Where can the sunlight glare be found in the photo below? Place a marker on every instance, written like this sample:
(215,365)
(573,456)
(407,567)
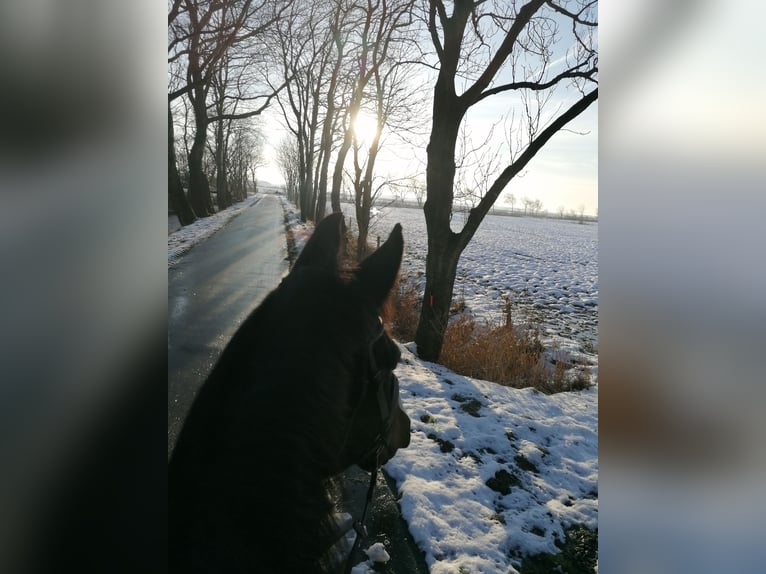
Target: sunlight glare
(365,128)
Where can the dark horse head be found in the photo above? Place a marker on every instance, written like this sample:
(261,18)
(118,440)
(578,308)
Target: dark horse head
(304,389)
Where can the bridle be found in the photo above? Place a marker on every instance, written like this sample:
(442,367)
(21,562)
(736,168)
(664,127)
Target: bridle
(385,385)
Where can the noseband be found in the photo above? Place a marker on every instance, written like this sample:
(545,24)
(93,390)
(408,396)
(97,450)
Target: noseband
(385,385)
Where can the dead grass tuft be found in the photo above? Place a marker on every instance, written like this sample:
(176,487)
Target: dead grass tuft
(508,355)
(404,310)
(351,248)
(493,352)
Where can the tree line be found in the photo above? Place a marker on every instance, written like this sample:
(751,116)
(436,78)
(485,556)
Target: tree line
(409,68)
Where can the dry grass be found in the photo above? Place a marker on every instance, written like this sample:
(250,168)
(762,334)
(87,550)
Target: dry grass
(351,247)
(496,353)
(403,310)
(508,355)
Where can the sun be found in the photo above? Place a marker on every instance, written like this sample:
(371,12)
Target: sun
(365,128)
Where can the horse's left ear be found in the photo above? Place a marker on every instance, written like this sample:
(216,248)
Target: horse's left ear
(377,273)
(321,250)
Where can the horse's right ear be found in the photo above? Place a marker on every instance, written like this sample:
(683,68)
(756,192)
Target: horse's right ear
(322,249)
(376,274)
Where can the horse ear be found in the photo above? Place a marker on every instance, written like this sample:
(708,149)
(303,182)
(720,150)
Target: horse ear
(377,273)
(321,250)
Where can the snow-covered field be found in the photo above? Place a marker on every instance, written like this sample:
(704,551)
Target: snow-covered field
(547,267)
(494,475)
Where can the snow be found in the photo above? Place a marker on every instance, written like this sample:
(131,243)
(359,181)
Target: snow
(377,553)
(494,474)
(183,239)
(541,451)
(547,268)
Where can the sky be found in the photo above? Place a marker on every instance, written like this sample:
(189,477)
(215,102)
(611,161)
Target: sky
(563,174)
(492,473)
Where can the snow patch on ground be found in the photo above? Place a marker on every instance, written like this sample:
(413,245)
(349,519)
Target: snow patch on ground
(492,473)
(183,239)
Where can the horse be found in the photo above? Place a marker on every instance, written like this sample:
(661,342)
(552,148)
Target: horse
(304,390)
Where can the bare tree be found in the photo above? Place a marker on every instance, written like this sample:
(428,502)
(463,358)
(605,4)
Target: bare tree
(176,197)
(485,48)
(220,86)
(394,110)
(419,190)
(235,86)
(511,199)
(177,200)
(245,155)
(383,26)
(303,45)
(527,202)
(289,165)
(339,29)
(201,34)
(342,57)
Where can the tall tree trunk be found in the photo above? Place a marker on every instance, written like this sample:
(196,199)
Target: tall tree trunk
(444,247)
(441,268)
(363,202)
(311,200)
(199,189)
(322,194)
(364,197)
(326,140)
(318,212)
(307,192)
(337,174)
(221,183)
(176,198)
(304,178)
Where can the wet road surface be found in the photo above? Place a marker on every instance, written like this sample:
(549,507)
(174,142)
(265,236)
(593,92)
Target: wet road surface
(212,289)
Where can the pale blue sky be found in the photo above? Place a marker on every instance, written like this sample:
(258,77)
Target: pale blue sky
(563,174)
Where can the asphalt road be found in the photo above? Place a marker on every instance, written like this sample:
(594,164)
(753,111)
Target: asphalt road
(211,290)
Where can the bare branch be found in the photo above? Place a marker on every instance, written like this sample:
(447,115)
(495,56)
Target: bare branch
(522,19)
(478,213)
(251,113)
(434,7)
(573,16)
(536,86)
